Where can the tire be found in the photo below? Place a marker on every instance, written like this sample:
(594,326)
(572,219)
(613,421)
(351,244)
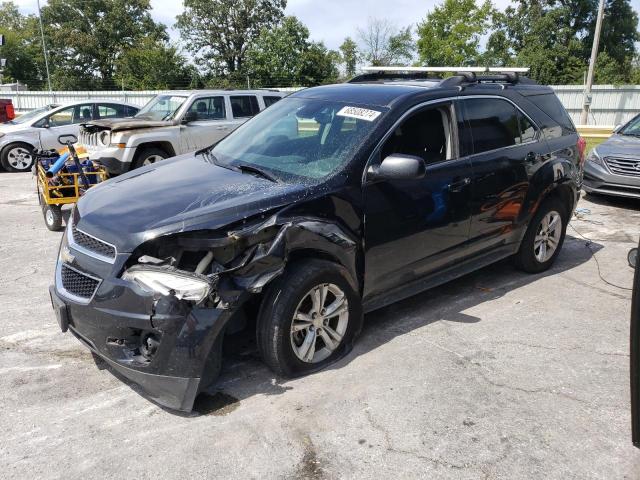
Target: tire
(290,294)
(531,256)
(17,157)
(52,217)
(148,156)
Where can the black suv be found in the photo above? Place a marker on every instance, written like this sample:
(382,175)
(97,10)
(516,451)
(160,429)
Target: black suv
(330,203)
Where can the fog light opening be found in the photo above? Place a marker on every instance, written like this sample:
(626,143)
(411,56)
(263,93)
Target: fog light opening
(149,343)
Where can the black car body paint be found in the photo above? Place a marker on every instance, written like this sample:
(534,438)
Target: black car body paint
(394,238)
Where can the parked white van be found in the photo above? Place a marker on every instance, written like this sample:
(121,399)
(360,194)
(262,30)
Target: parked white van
(171,124)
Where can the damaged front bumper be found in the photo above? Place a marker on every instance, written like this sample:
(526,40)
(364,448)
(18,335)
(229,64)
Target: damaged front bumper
(169,347)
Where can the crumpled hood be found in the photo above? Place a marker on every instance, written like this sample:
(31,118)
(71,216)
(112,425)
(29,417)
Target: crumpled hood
(119,124)
(181,194)
(620,145)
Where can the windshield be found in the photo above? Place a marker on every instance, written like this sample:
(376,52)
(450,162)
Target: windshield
(32,115)
(161,107)
(298,138)
(632,128)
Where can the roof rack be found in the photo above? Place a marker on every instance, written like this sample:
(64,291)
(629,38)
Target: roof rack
(462,75)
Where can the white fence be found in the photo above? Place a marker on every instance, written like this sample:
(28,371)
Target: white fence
(611,105)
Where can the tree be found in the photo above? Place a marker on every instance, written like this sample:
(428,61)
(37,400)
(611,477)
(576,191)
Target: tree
(218,33)
(349,50)
(451,33)
(153,64)
(86,38)
(383,44)
(285,56)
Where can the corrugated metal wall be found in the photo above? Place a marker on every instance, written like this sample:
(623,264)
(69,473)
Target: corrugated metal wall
(611,105)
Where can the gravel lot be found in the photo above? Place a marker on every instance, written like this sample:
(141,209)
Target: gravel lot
(497,375)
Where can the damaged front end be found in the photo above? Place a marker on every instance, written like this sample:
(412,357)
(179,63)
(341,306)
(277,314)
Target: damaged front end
(160,317)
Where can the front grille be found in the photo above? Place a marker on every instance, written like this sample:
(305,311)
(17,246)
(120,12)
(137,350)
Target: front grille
(628,167)
(77,283)
(92,244)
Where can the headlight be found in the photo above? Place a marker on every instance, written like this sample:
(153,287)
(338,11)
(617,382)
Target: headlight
(183,286)
(595,158)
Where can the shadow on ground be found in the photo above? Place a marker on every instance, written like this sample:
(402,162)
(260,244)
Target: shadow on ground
(245,375)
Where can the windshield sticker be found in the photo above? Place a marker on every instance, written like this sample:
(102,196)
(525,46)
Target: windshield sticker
(360,113)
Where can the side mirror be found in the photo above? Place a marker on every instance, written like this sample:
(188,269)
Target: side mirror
(398,167)
(67,138)
(190,117)
(632,257)
(617,128)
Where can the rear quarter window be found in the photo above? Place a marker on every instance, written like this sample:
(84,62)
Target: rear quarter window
(550,104)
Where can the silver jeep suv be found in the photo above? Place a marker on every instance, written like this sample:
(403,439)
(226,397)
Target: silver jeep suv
(171,124)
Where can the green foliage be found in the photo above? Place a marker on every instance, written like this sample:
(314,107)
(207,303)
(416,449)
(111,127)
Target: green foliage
(218,33)
(350,53)
(383,44)
(285,56)
(87,37)
(153,64)
(451,33)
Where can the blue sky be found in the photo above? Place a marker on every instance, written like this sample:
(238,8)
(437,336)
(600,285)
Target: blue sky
(328,20)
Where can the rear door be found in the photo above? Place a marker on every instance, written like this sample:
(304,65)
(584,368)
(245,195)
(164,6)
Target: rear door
(414,227)
(243,107)
(503,147)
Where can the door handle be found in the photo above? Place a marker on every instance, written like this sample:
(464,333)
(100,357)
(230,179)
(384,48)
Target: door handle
(459,185)
(222,128)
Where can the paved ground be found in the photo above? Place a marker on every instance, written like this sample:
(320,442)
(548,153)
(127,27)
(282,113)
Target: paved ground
(497,375)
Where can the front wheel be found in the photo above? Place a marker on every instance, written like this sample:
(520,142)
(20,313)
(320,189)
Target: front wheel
(17,157)
(544,238)
(149,156)
(308,318)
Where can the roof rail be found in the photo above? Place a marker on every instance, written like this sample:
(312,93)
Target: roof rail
(462,75)
(448,69)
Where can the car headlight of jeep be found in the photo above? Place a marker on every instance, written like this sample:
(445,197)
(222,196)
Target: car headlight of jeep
(595,158)
(104,137)
(182,285)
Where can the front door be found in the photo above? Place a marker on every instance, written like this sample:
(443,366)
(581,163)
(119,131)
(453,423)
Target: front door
(413,227)
(211,124)
(64,122)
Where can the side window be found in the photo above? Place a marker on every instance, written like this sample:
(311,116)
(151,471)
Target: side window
(244,106)
(527,129)
(209,108)
(492,123)
(426,134)
(62,118)
(110,110)
(268,101)
(131,111)
(83,113)
(550,105)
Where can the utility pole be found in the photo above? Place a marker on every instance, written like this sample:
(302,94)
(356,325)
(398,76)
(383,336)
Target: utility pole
(44,48)
(584,117)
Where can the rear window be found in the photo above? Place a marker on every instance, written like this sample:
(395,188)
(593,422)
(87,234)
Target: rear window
(244,106)
(550,105)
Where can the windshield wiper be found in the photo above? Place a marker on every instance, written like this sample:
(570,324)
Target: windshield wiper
(256,170)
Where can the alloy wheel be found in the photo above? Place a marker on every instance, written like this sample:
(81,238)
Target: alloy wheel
(319,323)
(151,159)
(19,158)
(548,236)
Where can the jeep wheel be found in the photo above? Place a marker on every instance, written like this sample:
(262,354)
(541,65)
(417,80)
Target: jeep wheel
(544,238)
(148,156)
(17,157)
(308,318)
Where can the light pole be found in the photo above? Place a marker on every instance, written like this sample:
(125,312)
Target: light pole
(584,117)
(44,48)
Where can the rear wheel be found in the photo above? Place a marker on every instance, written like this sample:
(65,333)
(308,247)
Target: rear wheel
(17,157)
(148,156)
(308,318)
(544,238)
(52,216)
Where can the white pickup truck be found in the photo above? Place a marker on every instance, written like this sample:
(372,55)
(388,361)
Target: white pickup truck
(171,124)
